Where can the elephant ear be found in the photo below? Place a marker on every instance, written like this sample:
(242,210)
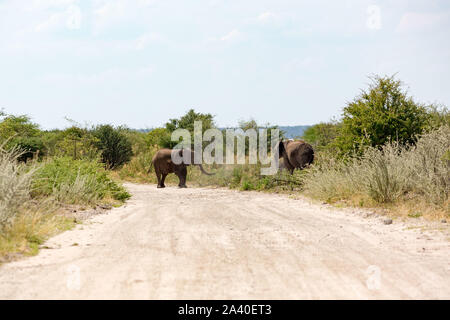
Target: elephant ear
(281,149)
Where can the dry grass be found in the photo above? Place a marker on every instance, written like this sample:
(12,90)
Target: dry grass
(415,178)
(34,224)
(15,181)
(32,194)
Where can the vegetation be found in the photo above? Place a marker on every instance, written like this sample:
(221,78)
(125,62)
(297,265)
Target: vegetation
(379,115)
(322,135)
(115,147)
(75,182)
(388,174)
(41,172)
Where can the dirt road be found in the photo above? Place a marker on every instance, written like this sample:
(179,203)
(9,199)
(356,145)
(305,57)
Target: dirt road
(221,244)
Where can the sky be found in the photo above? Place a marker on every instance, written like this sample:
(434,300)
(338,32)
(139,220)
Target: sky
(286,62)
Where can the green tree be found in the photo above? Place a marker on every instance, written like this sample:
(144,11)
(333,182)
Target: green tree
(321,136)
(382,113)
(159,137)
(115,147)
(252,124)
(20,132)
(187,122)
(20,126)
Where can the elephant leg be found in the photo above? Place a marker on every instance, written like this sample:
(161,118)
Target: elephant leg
(158,176)
(182,173)
(163,178)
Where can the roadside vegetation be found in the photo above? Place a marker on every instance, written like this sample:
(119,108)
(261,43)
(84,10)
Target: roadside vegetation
(43,173)
(386,150)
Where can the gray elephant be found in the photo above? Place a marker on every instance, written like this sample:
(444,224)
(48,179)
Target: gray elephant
(295,155)
(163,164)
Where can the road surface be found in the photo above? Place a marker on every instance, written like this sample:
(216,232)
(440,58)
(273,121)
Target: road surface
(203,243)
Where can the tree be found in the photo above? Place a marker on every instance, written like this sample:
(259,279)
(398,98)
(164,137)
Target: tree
(19,132)
(380,114)
(187,122)
(321,136)
(115,147)
(20,126)
(252,124)
(160,137)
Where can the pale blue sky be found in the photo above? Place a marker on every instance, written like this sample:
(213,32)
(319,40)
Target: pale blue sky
(141,62)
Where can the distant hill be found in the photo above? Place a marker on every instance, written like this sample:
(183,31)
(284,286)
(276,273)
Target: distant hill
(290,132)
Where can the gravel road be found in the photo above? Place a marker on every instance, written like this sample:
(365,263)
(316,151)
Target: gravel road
(203,243)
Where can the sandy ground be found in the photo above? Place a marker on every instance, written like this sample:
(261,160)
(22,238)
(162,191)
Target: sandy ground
(222,244)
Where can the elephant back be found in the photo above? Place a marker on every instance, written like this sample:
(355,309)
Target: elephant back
(301,154)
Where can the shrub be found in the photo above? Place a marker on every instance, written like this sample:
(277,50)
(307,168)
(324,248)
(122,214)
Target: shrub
(75,182)
(137,170)
(160,137)
(15,181)
(428,164)
(75,142)
(187,122)
(321,136)
(30,147)
(19,133)
(381,114)
(115,147)
(387,174)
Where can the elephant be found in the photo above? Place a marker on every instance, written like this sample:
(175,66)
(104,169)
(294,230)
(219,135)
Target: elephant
(295,155)
(163,164)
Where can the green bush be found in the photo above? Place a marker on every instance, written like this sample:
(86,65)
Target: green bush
(321,136)
(115,147)
(381,114)
(19,133)
(160,137)
(30,147)
(75,182)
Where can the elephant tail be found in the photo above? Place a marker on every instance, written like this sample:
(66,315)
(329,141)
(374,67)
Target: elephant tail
(204,172)
(150,168)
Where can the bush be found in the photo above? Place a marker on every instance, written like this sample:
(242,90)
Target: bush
(115,147)
(137,170)
(160,137)
(321,136)
(379,115)
(15,181)
(75,182)
(75,142)
(19,133)
(30,147)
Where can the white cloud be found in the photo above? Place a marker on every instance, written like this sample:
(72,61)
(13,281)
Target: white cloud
(44,4)
(373,20)
(143,41)
(308,63)
(413,21)
(110,12)
(71,18)
(53,21)
(266,16)
(74,17)
(232,35)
